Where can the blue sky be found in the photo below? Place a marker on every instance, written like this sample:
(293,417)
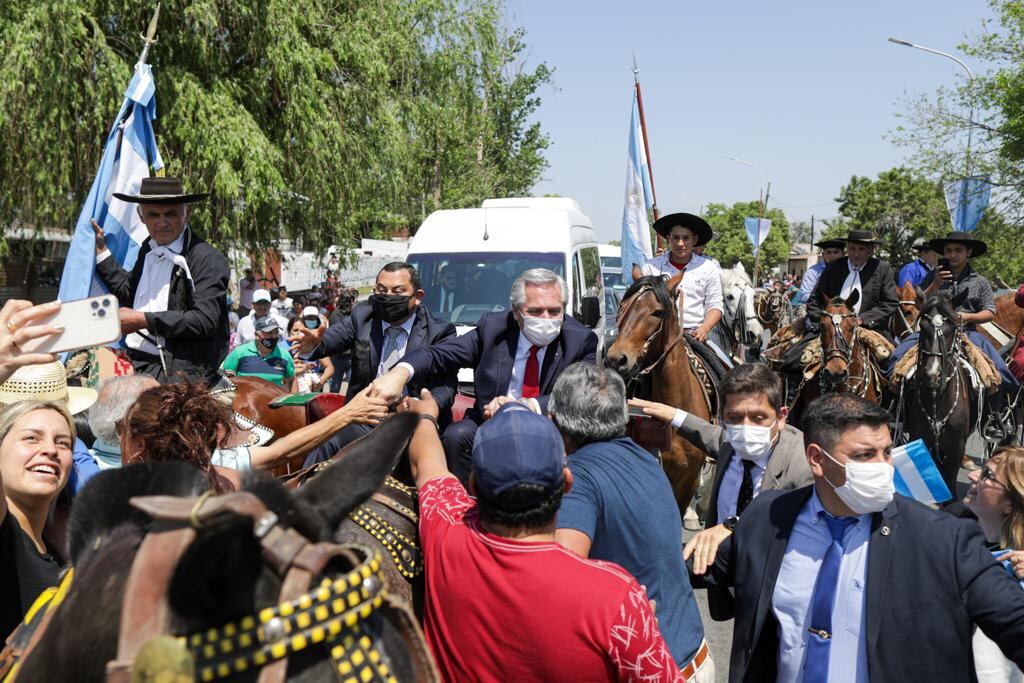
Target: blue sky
(805,89)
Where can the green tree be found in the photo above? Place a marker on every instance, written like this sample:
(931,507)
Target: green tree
(899,207)
(317,120)
(731,243)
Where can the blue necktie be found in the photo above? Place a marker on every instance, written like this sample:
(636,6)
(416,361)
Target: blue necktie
(816,659)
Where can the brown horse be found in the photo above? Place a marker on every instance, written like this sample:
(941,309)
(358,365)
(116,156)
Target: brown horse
(904,320)
(651,354)
(772,309)
(1009,317)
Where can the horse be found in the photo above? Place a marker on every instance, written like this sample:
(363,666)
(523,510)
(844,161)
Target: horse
(904,319)
(740,319)
(773,309)
(168,580)
(937,399)
(652,352)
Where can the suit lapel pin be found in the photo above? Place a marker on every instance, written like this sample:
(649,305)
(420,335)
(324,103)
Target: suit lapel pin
(885,530)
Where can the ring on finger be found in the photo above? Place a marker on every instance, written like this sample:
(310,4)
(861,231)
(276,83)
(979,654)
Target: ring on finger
(12,327)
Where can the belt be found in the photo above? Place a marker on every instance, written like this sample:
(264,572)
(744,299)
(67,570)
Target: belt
(691,669)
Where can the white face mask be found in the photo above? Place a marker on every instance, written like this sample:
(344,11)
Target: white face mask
(749,441)
(541,331)
(868,486)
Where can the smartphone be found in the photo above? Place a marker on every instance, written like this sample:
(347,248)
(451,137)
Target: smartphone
(87,323)
(944,264)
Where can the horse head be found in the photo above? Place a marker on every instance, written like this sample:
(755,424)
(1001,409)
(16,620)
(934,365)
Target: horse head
(839,326)
(938,340)
(648,310)
(230,574)
(739,295)
(904,320)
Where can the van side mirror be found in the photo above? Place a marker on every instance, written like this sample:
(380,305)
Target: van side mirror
(590,311)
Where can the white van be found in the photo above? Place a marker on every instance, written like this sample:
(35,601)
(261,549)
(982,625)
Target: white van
(486,249)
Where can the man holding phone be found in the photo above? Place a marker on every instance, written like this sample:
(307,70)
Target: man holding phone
(174,309)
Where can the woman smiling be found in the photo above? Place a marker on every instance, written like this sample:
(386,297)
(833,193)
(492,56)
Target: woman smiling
(36,439)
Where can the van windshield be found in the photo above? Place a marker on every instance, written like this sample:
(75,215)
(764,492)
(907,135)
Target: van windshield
(461,287)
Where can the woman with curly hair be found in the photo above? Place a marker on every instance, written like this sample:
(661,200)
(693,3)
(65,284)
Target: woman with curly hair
(996,497)
(184,422)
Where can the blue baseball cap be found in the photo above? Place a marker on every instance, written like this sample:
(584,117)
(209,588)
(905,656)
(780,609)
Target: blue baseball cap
(517,446)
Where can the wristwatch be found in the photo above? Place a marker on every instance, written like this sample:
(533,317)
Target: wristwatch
(730,522)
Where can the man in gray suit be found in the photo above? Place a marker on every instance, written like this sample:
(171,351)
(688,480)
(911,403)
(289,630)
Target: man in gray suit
(770,456)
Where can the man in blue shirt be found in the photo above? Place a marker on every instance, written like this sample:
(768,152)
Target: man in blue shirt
(621,507)
(830,251)
(916,271)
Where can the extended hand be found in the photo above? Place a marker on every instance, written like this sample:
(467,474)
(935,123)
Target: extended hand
(366,409)
(305,340)
(704,546)
(1016,558)
(424,405)
(101,243)
(132,320)
(18,324)
(491,408)
(390,386)
(659,411)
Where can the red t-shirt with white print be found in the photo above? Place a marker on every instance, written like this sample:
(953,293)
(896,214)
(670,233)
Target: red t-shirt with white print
(504,610)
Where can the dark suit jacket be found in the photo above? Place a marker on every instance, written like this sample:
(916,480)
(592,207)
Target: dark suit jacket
(195,324)
(879,298)
(787,468)
(490,350)
(360,335)
(929,577)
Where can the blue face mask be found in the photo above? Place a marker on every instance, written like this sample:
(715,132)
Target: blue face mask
(311,323)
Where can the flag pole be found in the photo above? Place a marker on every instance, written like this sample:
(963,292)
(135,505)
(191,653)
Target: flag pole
(149,39)
(760,214)
(647,147)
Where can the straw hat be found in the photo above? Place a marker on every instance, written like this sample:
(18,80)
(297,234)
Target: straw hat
(45,382)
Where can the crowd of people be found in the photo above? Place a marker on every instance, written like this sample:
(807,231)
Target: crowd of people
(552,542)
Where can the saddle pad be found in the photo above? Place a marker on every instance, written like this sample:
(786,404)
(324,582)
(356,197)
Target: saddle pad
(1001,336)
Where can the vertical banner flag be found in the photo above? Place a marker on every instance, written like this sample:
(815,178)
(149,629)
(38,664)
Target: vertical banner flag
(757,237)
(967,200)
(129,156)
(916,475)
(636,233)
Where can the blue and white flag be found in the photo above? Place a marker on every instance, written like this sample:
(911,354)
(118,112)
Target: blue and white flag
(129,156)
(916,475)
(967,200)
(757,237)
(636,232)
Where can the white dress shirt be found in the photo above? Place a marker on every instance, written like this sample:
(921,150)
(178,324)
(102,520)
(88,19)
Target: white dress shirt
(403,341)
(791,602)
(701,286)
(154,286)
(515,385)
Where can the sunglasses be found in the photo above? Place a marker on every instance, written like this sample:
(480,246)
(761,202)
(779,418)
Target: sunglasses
(988,475)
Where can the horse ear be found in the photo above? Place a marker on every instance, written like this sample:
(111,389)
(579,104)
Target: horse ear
(674,281)
(920,296)
(959,299)
(852,300)
(359,469)
(637,273)
(823,299)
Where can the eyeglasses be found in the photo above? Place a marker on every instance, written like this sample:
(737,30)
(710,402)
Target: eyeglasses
(988,475)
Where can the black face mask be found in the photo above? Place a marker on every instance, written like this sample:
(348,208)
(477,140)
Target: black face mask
(390,308)
(268,343)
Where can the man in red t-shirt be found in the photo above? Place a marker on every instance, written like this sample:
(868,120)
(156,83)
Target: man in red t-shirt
(504,601)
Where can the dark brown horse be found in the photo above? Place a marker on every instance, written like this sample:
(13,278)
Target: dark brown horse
(773,309)
(652,356)
(235,601)
(937,399)
(904,319)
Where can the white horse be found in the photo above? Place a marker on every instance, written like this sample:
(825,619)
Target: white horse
(740,307)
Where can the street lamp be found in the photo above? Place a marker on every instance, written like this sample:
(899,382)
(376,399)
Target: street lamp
(970,86)
(761,200)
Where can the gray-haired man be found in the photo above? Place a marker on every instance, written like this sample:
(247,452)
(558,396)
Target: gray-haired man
(515,356)
(117,395)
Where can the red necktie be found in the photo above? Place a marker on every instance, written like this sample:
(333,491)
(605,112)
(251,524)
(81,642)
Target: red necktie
(531,378)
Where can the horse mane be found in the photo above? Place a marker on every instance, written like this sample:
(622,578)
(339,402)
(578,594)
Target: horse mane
(941,301)
(738,272)
(658,287)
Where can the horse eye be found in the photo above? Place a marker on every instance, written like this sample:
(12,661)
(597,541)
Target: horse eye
(658,314)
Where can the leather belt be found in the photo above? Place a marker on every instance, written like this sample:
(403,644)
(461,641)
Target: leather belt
(691,669)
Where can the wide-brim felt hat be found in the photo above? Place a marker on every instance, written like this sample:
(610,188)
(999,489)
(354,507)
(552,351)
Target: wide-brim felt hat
(45,382)
(663,226)
(977,247)
(162,191)
(865,236)
(831,244)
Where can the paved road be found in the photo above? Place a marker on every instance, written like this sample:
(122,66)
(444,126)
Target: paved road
(719,633)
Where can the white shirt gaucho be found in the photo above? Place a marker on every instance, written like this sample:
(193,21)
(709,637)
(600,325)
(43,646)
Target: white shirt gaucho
(701,287)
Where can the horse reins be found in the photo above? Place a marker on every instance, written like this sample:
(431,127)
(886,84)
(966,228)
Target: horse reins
(844,351)
(952,353)
(634,376)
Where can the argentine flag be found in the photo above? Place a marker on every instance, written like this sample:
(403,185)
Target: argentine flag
(129,156)
(636,233)
(916,475)
(757,230)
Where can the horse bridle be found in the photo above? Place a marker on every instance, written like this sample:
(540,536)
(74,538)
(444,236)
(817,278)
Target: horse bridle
(952,354)
(635,375)
(773,303)
(842,350)
(903,316)
(741,327)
